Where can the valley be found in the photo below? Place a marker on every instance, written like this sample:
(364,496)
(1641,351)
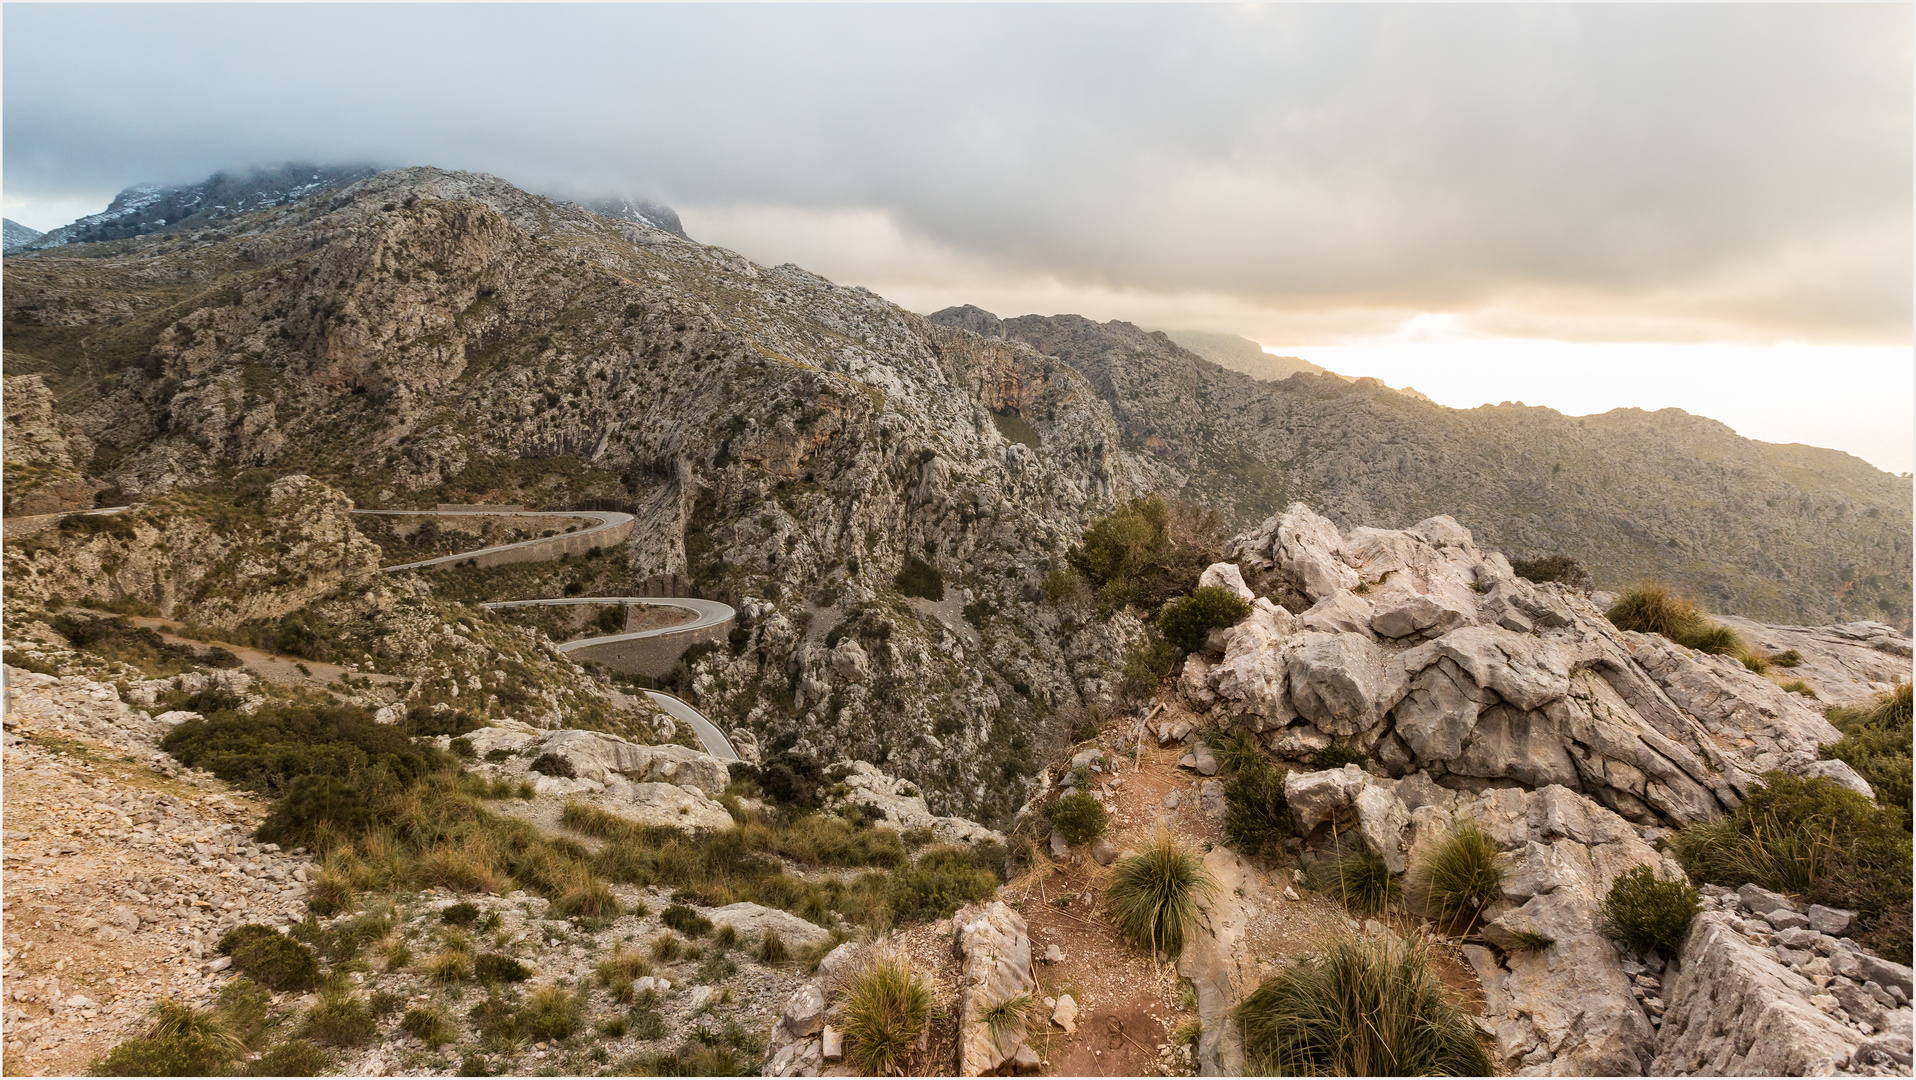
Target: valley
(528,641)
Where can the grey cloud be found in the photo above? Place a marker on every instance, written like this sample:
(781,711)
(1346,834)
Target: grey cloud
(1743,164)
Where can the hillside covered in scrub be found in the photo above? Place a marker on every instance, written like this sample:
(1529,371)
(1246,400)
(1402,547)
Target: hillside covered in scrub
(1781,533)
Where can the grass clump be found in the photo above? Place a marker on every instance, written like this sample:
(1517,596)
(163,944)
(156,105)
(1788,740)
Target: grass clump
(551,1012)
(1462,875)
(1154,894)
(1655,609)
(1002,1017)
(1363,1007)
(491,968)
(461,914)
(1079,817)
(772,948)
(430,1025)
(617,972)
(1646,914)
(1362,879)
(181,1041)
(270,958)
(1814,838)
(1532,941)
(1187,621)
(1876,743)
(887,1006)
(686,921)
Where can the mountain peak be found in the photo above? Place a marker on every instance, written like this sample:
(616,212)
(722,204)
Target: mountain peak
(145,208)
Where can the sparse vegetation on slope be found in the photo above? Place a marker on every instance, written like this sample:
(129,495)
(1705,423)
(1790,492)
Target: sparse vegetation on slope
(1877,743)
(1814,838)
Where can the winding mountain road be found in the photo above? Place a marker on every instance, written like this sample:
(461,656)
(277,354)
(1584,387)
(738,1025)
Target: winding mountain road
(706,613)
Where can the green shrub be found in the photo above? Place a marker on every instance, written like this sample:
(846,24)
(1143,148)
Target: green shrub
(295,1057)
(1815,838)
(552,1013)
(920,578)
(551,764)
(943,879)
(1146,551)
(1187,621)
(887,1007)
(1363,879)
(270,958)
(1079,816)
(1462,874)
(429,1025)
(685,921)
(499,968)
(1257,818)
(1646,914)
(1147,663)
(1876,742)
(315,806)
(1370,1007)
(1153,896)
(181,1041)
(340,1020)
(1557,567)
(460,914)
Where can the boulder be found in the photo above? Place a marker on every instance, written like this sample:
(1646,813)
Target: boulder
(994,967)
(1763,901)
(1065,1014)
(597,756)
(1842,773)
(1228,576)
(1829,920)
(1317,797)
(1417,616)
(1215,962)
(1738,1011)
(753,920)
(1336,682)
(667,805)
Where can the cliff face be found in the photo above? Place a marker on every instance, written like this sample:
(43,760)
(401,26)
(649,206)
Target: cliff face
(1776,532)
(425,336)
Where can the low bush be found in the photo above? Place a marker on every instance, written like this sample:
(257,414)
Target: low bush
(460,914)
(1147,551)
(1153,896)
(943,879)
(685,921)
(887,1007)
(1079,817)
(428,1024)
(1257,818)
(921,579)
(499,968)
(551,764)
(1147,663)
(1363,1007)
(270,958)
(295,1057)
(1461,875)
(1187,621)
(1646,914)
(1876,742)
(180,1041)
(1559,567)
(340,1019)
(1815,838)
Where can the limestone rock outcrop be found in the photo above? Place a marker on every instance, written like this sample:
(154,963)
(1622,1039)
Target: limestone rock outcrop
(900,805)
(994,952)
(1429,654)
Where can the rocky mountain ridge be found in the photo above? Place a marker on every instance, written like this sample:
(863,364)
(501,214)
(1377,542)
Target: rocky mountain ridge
(1773,532)
(146,208)
(13,234)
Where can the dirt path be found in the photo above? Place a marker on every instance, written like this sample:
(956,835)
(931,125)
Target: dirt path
(1128,1007)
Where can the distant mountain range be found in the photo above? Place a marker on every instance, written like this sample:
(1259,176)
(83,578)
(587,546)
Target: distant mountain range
(13,234)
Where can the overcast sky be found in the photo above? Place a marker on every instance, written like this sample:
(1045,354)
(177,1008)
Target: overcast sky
(1490,198)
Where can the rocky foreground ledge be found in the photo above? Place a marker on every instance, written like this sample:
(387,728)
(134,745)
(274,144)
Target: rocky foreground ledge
(1480,696)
